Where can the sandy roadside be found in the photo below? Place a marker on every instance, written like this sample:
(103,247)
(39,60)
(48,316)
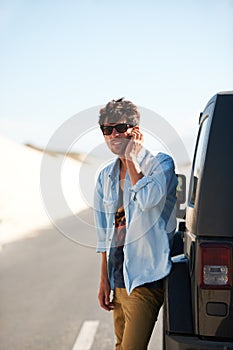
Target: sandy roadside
(22,210)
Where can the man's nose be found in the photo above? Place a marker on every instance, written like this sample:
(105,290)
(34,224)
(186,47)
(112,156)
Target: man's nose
(115,132)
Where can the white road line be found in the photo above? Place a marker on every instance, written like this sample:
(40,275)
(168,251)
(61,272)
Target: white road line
(86,335)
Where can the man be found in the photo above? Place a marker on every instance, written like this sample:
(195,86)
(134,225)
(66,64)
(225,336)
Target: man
(135,200)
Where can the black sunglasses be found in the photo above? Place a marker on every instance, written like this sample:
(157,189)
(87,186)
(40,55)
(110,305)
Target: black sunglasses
(121,128)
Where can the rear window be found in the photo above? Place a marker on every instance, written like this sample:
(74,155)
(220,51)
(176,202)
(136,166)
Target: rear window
(199,158)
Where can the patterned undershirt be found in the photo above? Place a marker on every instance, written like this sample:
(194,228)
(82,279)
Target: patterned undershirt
(117,253)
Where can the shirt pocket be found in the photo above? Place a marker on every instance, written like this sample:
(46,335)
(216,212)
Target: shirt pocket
(110,205)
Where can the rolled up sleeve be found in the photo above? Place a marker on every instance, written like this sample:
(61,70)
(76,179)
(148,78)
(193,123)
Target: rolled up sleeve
(158,172)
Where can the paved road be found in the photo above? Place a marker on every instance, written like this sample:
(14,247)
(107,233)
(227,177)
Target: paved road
(48,289)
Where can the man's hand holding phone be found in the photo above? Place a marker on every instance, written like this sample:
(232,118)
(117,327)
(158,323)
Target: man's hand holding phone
(135,143)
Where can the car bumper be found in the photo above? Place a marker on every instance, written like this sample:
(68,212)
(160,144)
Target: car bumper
(174,342)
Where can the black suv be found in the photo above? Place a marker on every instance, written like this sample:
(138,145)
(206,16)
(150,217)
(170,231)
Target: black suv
(198,308)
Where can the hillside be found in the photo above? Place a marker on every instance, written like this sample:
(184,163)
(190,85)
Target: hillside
(21,208)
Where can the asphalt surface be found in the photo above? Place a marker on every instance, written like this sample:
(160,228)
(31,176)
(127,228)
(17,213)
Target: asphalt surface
(48,289)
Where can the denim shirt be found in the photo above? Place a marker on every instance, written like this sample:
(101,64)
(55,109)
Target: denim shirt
(150,217)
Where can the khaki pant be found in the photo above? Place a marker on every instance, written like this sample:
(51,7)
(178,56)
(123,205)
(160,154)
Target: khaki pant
(135,316)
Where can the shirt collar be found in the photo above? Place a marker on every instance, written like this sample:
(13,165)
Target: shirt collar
(115,170)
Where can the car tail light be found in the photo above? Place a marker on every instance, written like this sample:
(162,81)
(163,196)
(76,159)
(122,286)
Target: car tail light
(215,266)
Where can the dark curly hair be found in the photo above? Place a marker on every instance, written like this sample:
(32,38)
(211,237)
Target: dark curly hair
(118,109)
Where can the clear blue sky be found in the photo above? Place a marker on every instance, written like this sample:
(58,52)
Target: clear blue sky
(61,57)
